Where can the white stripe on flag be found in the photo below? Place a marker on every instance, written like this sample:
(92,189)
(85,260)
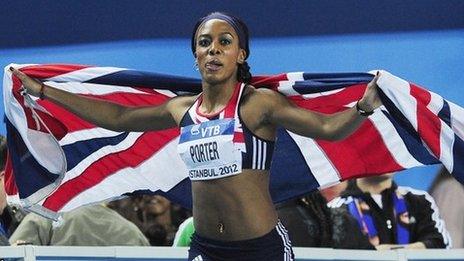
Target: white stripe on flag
(85,163)
(457,119)
(446,146)
(295,76)
(166,93)
(327,93)
(321,167)
(87,134)
(398,91)
(393,140)
(286,88)
(91,88)
(85,74)
(436,103)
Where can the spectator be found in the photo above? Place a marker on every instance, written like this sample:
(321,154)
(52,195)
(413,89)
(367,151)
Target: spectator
(10,216)
(394,217)
(310,223)
(155,216)
(448,192)
(95,225)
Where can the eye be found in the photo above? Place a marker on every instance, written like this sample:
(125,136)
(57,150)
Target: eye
(225,41)
(203,42)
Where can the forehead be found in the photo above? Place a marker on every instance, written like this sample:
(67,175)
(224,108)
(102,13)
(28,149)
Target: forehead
(216,26)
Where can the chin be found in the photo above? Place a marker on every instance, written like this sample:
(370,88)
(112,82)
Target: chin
(216,78)
(213,80)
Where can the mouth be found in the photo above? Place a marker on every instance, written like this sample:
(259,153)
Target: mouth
(213,65)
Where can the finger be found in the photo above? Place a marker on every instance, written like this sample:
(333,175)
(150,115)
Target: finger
(374,80)
(14,71)
(22,76)
(377,76)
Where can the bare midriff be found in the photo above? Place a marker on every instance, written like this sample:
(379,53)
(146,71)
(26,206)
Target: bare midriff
(234,208)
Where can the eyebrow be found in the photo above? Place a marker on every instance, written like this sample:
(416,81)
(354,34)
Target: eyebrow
(207,35)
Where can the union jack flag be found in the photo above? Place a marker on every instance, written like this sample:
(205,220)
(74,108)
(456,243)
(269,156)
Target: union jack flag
(58,161)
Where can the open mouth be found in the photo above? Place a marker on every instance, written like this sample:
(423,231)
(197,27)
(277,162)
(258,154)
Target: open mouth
(213,65)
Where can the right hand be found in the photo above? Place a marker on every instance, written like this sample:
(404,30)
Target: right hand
(31,85)
(371,100)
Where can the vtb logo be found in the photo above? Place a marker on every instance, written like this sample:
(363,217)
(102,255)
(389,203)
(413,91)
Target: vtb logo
(195,130)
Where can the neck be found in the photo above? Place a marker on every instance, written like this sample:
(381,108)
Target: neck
(373,185)
(216,96)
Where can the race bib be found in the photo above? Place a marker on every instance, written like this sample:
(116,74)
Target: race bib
(208,150)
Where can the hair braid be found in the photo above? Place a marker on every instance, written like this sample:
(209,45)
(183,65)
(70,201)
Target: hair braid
(243,73)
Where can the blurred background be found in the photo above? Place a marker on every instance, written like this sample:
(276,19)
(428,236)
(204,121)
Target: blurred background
(421,41)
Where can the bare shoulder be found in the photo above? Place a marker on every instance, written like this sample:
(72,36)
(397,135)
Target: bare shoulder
(179,105)
(262,97)
(256,106)
(182,101)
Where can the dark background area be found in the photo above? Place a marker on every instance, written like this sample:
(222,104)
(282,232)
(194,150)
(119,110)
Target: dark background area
(50,22)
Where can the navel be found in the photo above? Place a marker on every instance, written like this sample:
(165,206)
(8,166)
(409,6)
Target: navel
(221,228)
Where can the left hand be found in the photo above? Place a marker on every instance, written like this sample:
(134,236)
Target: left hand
(371,100)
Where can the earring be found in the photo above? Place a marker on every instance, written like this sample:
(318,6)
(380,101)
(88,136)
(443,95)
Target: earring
(195,66)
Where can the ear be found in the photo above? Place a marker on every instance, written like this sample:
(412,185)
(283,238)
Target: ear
(241,56)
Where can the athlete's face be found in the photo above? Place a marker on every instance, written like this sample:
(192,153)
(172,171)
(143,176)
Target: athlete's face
(155,205)
(218,52)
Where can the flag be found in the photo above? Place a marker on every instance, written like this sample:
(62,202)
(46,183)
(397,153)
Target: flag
(58,161)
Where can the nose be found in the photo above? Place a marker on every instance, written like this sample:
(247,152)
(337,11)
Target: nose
(214,48)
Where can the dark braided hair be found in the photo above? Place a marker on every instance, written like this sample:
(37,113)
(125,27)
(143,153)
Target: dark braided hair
(243,73)
(316,204)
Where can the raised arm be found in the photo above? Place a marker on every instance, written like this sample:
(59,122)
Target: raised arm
(282,112)
(105,114)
